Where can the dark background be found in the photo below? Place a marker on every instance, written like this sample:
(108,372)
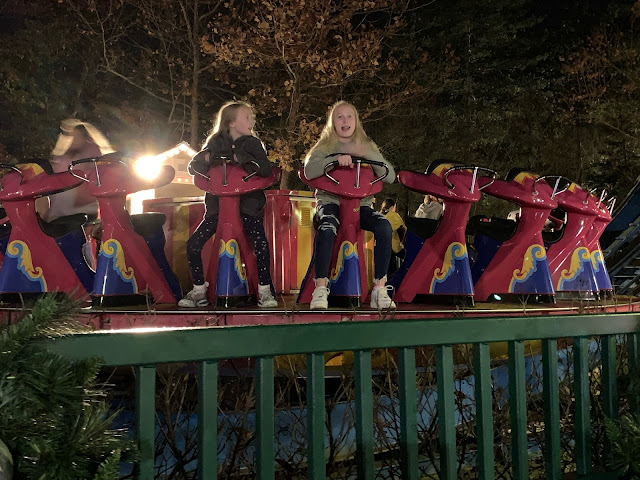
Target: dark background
(550,86)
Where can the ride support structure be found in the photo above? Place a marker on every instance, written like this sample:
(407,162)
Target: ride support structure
(442,264)
(34,263)
(348,274)
(232,272)
(520,265)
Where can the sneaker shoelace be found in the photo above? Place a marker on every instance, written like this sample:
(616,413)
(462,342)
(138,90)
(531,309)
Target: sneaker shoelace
(384,291)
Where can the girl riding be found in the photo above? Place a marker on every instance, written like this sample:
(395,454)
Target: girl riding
(343,135)
(232,137)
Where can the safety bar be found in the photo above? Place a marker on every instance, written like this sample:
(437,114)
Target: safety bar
(110,157)
(555,187)
(475,169)
(358,162)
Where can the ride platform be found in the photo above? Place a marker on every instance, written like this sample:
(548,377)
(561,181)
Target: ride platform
(289,312)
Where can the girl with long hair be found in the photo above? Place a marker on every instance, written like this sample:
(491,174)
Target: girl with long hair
(343,134)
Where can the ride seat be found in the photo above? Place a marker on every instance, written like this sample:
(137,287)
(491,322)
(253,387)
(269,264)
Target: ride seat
(63,225)
(422,227)
(148,223)
(499,229)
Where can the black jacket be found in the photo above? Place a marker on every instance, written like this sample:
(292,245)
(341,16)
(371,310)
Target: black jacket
(247,149)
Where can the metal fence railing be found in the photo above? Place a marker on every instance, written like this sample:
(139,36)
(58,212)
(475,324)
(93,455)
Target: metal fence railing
(144,349)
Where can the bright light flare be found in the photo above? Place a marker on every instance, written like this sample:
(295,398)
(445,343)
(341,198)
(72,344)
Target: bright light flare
(147,167)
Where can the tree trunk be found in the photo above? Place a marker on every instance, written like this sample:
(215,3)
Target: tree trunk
(195,45)
(291,125)
(284,179)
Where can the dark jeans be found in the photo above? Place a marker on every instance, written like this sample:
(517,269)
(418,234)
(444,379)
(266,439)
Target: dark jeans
(375,222)
(254,229)
(396,260)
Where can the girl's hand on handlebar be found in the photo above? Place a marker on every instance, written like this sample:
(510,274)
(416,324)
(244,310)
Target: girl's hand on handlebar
(345,160)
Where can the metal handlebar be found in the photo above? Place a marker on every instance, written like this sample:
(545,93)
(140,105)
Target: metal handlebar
(95,160)
(451,186)
(358,162)
(603,195)
(247,177)
(8,166)
(555,187)
(224,160)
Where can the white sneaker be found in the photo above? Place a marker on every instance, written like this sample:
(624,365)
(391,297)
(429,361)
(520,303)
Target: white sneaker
(320,298)
(380,298)
(196,297)
(265,299)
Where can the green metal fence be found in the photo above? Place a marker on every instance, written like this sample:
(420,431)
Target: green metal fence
(206,346)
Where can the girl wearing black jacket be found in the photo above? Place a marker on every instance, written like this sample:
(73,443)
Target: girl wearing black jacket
(232,137)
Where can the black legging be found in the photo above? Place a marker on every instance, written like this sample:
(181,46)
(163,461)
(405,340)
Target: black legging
(255,231)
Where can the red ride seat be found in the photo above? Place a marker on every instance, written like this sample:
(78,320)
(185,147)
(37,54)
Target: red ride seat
(347,274)
(570,259)
(232,273)
(34,263)
(519,266)
(441,266)
(125,266)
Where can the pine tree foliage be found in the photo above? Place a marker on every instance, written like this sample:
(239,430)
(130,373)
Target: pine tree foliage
(53,416)
(624,436)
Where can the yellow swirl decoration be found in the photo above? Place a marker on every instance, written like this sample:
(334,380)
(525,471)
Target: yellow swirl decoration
(534,252)
(347,250)
(522,176)
(596,260)
(455,251)
(230,249)
(112,248)
(575,267)
(19,249)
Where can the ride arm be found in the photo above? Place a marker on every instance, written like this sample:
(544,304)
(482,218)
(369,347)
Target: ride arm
(199,164)
(218,147)
(315,163)
(251,156)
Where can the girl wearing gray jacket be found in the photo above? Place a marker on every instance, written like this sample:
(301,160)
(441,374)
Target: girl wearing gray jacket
(343,134)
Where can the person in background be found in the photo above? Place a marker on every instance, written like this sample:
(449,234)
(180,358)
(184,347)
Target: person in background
(431,208)
(343,134)
(398,229)
(232,137)
(76,141)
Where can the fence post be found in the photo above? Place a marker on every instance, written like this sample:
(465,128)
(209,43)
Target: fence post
(145,420)
(484,411)
(208,420)
(446,412)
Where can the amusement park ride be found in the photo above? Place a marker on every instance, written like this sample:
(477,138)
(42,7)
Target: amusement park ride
(454,266)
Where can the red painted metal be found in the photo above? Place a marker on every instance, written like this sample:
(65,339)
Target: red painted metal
(229,182)
(40,255)
(349,230)
(582,210)
(110,182)
(464,190)
(536,202)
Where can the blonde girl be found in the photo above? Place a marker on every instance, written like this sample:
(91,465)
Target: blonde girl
(232,137)
(343,134)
